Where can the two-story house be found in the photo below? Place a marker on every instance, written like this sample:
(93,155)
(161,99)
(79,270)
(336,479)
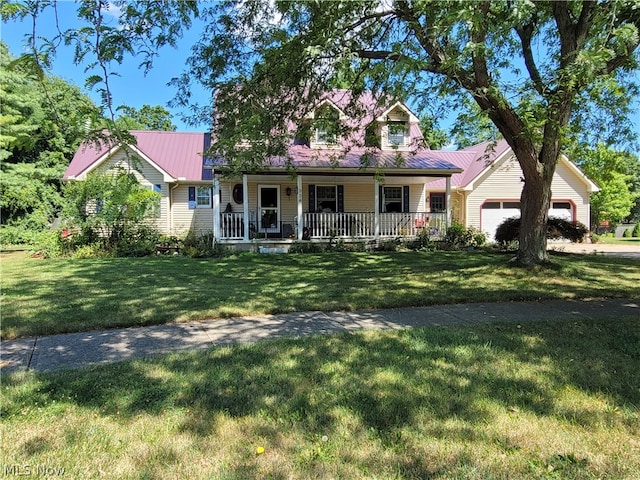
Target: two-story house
(365,177)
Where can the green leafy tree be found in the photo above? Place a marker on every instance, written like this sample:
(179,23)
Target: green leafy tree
(145,118)
(531,67)
(613,171)
(43,120)
(112,210)
(473,126)
(435,137)
(534,68)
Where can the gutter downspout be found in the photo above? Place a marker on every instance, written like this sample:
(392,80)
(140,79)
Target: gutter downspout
(171,225)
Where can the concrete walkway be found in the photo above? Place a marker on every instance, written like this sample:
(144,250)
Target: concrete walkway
(77,350)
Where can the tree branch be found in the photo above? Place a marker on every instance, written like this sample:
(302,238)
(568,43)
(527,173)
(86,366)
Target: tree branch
(380,55)
(526,34)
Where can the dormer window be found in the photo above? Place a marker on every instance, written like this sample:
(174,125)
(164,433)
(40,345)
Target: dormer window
(395,127)
(397,133)
(326,124)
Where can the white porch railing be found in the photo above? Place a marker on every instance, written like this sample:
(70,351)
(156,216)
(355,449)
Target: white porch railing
(232,226)
(362,224)
(351,224)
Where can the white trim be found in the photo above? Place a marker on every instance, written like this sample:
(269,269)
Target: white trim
(299,201)
(591,186)
(376,208)
(215,194)
(100,160)
(412,118)
(469,187)
(275,229)
(312,113)
(245,207)
(210,190)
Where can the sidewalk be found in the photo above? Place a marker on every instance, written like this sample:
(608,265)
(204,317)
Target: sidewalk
(77,350)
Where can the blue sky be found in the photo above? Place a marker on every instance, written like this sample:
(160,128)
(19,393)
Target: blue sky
(131,87)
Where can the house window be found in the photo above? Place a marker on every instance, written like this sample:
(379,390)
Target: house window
(203,197)
(326,198)
(326,125)
(437,203)
(397,131)
(392,199)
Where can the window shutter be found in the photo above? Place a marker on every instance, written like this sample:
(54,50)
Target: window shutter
(192,198)
(380,199)
(340,198)
(211,196)
(405,198)
(312,198)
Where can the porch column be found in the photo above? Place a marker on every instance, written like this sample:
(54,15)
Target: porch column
(299,200)
(376,208)
(448,201)
(245,208)
(215,198)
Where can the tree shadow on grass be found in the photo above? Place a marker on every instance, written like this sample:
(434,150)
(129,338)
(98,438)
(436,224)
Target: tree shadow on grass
(416,380)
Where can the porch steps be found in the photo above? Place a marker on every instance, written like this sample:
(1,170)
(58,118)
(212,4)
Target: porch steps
(263,249)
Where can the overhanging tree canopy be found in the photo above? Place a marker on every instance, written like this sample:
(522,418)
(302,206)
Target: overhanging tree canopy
(528,65)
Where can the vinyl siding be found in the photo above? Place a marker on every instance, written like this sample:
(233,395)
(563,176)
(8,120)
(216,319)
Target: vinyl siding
(504,183)
(147,176)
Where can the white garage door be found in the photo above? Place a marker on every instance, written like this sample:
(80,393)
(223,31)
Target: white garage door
(494,213)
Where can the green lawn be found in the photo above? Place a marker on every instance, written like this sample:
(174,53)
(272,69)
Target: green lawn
(63,295)
(540,400)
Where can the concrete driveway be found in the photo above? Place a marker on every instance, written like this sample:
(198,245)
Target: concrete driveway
(628,250)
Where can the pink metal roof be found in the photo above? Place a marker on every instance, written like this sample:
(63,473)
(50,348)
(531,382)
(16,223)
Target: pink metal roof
(177,153)
(473,161)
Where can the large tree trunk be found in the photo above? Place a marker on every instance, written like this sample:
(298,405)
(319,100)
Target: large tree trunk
(534,212)
(535,200)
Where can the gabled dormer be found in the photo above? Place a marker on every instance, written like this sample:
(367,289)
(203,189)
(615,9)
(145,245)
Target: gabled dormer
(325,125)
(395,127)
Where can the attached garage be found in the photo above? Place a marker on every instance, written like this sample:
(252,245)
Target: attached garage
(493,213)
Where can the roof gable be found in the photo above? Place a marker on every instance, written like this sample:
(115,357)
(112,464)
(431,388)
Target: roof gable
(178,156)
(487,155)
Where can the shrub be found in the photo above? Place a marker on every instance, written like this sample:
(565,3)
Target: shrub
(306,247)
(390,245)
(636,231)
(47,243)
(202,246)
(458,237)
(422,242)
(110,213)
(627,233)
(509,230)
(137,241)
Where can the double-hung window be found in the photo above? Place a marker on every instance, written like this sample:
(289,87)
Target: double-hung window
(392,199)
(437,203)
(397,132)
(326,198)
(203,197)
(326,126)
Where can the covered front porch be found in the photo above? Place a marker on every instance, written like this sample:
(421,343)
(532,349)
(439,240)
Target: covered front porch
(357,225)
(323,207)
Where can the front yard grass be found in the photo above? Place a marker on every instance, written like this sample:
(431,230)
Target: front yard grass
(41,297)
(540,400)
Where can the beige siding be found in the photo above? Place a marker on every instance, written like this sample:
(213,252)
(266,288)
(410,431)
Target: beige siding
(147,176)
(358,197)
(504,183)
(200,220)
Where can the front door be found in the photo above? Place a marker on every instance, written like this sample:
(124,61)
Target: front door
(269,208)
